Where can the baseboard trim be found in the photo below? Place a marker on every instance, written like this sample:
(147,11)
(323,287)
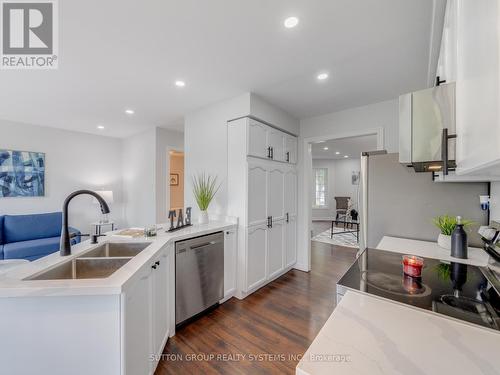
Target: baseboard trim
(301,267)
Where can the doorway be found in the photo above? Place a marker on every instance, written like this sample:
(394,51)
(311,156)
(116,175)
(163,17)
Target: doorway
(176,179)
(319,202)
(336,193)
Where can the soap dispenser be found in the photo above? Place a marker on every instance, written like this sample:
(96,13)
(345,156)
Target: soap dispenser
(459,241)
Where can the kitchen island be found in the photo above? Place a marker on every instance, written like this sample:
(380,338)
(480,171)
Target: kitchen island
(117,324)
(388,323)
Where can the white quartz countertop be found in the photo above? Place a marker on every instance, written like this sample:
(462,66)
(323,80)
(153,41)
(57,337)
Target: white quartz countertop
(477,257)
(12,283)
(367,335)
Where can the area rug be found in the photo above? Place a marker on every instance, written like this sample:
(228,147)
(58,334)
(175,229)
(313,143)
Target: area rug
(344,239)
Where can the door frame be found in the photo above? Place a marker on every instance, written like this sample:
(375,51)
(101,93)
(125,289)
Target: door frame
(305,189)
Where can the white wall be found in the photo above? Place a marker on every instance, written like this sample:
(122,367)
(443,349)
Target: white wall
(276,116)
(145,175)
(383,114)
(73,161)
(138,163)
(339,184)
(205,147)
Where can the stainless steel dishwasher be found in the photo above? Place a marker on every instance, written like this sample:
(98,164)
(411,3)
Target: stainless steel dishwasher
(199,275)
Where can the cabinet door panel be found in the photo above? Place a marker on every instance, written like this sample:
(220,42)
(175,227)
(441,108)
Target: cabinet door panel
(276,140)
(257,139)
(160,302)
(275,249)
(291,149)
(256,256)
(257,182)
(275,200)
(138,326)
(290,192)
(291,242)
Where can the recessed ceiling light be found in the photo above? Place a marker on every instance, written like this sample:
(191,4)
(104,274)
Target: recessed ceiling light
(346,156)
(180,83)
(100,127)
(291,22)
(325,148)
(322,76)
(129,111)
(337,153)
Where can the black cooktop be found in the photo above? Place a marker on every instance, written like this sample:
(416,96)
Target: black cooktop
(453,289)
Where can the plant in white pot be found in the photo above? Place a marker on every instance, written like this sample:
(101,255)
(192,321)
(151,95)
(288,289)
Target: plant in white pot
(204,188)
(446,225)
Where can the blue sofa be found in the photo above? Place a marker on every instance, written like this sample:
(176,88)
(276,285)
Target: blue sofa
(31,236)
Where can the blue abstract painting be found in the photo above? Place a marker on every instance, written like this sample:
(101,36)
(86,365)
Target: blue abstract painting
(22,174)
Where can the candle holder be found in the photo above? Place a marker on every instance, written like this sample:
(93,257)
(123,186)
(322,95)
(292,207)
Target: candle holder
(412,265)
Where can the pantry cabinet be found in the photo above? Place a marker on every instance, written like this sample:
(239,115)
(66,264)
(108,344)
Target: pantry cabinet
(262,193)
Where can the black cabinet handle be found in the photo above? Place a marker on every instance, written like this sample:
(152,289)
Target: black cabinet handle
(287,217)
(272,152)
(288,157)
(269,221)
(269,152)
(157,262)
(444,149)
(154,266)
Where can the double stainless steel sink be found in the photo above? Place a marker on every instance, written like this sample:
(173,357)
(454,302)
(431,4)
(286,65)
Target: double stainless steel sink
(98,263)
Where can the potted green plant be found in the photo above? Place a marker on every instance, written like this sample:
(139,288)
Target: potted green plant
(446,225)
(204,188)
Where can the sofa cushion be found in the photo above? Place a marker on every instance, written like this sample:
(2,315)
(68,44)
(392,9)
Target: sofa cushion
(31,227)
(32,249)
(1,230)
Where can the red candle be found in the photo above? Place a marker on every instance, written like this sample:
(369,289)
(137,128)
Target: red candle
(412,265)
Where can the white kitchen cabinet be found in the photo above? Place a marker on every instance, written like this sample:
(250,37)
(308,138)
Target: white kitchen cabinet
(256,256)
(291,149)
(257,192)
(146,316)
(137,325)
(478,87)
(260,191)
(275,191)
(275,247)
(257,139)
(276,140)
(264,141)
(290,251)
(290,192)
(160,297)
(230,263)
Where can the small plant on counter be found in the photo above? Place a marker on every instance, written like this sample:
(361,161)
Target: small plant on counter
(204,188)
(447,224)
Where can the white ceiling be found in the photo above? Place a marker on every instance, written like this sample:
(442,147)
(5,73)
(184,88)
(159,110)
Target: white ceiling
(352,147)
(119,54)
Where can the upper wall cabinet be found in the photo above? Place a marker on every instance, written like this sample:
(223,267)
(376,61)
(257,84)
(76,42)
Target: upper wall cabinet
(478,87)
(269,143)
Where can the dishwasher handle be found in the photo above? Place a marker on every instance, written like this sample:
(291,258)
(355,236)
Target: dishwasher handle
(203,245)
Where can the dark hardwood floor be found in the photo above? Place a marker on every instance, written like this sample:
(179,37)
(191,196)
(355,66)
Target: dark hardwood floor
(268,331)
